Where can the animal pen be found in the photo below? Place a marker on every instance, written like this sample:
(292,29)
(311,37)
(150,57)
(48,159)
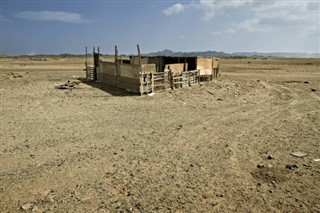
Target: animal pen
(148,74)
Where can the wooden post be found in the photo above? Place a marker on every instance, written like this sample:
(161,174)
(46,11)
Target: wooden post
(213,71)
(139,54)
(152,82)
(116,63)
(86,63)
(115,54)
(86,56)
(218,68)
(170,77)
(98,50)
(94,49)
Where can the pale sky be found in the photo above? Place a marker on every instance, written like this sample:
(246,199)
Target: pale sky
(67,26)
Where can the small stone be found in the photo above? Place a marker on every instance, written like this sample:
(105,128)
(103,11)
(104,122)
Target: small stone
(313,90)
(292,166)
(213,204)
(260,165)
(220,195)
(35,208)
(27,206)
(306,165)
(269,166)
(270,157)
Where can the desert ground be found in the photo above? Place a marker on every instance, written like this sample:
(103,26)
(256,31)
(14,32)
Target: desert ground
(223,146)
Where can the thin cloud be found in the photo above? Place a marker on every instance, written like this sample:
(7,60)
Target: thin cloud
(206,7)
(254,26)
(288,11)
(4,19)
(176,8)
(57,16)
(301,11)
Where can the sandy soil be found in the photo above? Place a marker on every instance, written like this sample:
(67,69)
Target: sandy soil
(100,149)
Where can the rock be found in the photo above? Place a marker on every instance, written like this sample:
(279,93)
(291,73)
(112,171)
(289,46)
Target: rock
(292,166)
(313,90)
(213,204)
(220,195)
(34,209)
(299,154)
(270,157)
(306,82)
(27,207)
(48,199)
(307,165)
(260,165)
(68,85)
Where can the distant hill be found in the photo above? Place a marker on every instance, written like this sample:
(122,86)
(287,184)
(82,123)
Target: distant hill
(167,52)
(279,54)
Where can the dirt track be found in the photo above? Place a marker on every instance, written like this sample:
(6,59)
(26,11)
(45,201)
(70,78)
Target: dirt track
(99,149)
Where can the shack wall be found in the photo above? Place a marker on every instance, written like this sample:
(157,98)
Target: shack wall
(129,70)
(106,73)
(205,66)
(135,60)
(124,76)
(148,68)
(215,63)
(176,68)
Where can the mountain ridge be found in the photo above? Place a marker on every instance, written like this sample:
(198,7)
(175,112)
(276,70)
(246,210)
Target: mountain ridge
(167,52)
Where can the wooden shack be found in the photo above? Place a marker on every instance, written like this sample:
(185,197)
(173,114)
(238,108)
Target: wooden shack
(148,74)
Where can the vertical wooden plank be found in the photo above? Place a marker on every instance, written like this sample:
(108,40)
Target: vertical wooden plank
(116,63)
(115,54)
(141,83)
(139,54)
(170,78)
(86,63)
(213,70)
(86,56)
(152,82)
